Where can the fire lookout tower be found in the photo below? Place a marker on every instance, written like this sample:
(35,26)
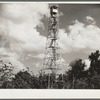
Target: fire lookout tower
(52,56)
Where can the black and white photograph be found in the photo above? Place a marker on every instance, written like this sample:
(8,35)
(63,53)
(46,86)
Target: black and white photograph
(49,46)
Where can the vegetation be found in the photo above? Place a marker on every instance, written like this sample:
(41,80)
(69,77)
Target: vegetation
(75,78)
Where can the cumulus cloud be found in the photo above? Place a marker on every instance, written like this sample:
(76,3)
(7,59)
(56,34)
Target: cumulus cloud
(87,63)
(17,65)
(40,56)
(18,34)
(80,37)
(19,38)
(22,20)
(90,20)
(7,56)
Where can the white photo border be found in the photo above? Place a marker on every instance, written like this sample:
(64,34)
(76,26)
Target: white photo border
(52,93)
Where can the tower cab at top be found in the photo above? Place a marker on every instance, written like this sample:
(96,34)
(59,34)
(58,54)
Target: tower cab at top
(53,11)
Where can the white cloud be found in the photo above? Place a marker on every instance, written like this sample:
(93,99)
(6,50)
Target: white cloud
(87,63)
(18,22)
(7,56)
(40,56)
(90,20)
(22,20)
(80,37)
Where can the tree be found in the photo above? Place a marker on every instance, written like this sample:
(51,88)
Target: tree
(59,82)
(95,82)
(6,72)
(47,80)
(95,63)
(81,83)
(77,67)
(24,80)
(7,85)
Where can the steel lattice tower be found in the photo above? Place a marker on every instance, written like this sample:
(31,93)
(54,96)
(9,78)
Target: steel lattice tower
(52,55)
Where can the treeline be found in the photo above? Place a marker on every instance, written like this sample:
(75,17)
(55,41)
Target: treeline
(75,78)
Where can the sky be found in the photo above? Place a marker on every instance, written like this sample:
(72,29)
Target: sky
(24,28)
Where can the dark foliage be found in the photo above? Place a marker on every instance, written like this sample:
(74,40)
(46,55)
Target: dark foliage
(77,69)
(76,78)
